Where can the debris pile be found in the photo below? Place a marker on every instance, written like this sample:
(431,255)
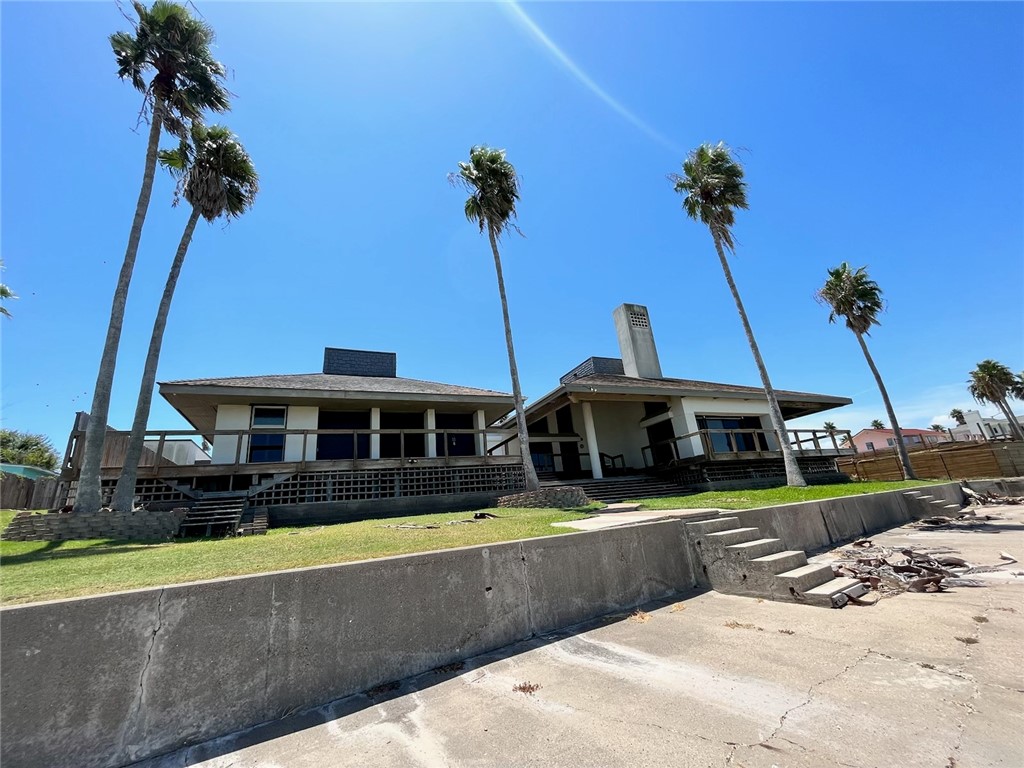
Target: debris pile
(989,497)
(890,571)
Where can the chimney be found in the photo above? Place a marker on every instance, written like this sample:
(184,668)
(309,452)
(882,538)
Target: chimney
(636,342)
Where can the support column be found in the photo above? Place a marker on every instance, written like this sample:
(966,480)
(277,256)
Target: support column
(374,437)
(592,449)
(480,423)
(684,422)
(430,437)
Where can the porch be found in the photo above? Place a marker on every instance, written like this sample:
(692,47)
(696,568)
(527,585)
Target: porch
(705,445)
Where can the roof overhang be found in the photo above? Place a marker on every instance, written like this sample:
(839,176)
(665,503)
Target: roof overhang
(198,404)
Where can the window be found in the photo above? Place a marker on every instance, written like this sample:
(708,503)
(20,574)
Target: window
(268,446)
(869,446)
(890,442)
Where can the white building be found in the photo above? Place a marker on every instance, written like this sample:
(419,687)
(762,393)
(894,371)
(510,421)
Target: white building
(977,428)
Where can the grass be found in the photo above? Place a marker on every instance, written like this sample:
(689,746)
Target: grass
(766,497)
(43,570)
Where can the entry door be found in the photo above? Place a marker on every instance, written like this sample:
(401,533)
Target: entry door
(571,466)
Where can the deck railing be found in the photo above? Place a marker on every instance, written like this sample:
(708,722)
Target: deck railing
(301,448)
(724,444)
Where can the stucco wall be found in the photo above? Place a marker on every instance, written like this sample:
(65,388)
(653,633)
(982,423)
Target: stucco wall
(117,678)
(301,417)
(224,446)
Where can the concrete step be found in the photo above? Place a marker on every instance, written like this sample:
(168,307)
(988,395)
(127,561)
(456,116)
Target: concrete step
(713,526)
(755,548)
(734,536)
(780,562)
(822,594)
(804,578)
(621,508)
(912,494)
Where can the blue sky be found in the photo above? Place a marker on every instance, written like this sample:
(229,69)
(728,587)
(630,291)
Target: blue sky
(881,134)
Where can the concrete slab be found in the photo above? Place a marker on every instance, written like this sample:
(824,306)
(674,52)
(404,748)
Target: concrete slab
(614,519)
(712,680)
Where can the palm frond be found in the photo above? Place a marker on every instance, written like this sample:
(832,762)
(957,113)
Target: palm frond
(990,382)
(493,186)
(713,188)
(852,295)
(216,175)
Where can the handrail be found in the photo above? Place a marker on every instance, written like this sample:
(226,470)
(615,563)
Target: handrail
(812,442)
(162,436)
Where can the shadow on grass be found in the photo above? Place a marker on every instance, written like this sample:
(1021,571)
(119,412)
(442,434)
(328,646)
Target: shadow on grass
(55,550)
(380,694)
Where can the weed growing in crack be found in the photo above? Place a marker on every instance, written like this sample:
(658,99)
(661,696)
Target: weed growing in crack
(787,631)
(640,617)
(526,687)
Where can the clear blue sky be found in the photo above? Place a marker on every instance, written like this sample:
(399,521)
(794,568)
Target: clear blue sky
(883,134)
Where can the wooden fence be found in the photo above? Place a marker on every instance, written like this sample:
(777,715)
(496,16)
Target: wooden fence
(17,492)
(946,461)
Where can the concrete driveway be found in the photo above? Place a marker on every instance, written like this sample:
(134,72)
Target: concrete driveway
(929,680)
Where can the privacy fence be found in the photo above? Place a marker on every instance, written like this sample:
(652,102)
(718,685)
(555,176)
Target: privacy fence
(946,461)
(17,492)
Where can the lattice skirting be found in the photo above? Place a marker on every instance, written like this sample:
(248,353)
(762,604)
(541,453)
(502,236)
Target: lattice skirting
(351,485)
(147,490)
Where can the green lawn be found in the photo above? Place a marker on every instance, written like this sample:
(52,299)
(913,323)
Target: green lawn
(766,497)
(39,570)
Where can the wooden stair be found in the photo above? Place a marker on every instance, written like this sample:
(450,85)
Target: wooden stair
(613,490)
(214,516)
(254,522)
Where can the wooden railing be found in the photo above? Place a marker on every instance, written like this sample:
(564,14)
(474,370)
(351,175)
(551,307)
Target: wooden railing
(116,443)
(719,444)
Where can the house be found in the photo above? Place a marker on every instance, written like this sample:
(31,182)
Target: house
(622,415)
(977,427)
(868,440)
(356,436)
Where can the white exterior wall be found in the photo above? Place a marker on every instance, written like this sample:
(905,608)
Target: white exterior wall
(617,428)
(301,417)
(224,446)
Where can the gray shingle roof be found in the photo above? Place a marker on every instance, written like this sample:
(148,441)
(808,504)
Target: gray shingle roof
(326,382)
(628,382)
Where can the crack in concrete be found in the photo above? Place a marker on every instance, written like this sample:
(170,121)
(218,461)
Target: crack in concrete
(961,723)
(131,721)
(924,665)
(270,640)
(526,587)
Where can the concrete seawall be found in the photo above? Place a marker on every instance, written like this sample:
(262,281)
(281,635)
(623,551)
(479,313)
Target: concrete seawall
(107,680)
(814,525)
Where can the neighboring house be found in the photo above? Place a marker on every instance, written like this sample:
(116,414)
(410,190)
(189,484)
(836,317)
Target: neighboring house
(621,415)
(868,440)
(978,427)
(354,433)
(24,470)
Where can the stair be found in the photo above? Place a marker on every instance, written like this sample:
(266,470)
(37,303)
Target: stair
(922,505)
(740,561)
(613,490)
(218,515)
(254,522)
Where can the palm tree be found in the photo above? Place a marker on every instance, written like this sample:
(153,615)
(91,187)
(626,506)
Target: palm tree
(938,428)
(958,416)
(713,188)
(1017,388)
(992,382)
(5,293)
(854,296)
(493,187)
(878,424)
(830,427)
(173,47)
(217,177)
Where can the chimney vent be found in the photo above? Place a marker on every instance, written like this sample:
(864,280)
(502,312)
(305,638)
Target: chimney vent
(636,342)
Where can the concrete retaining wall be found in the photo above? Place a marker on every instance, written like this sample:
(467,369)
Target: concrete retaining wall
(116,678)
(561,497)
(814,525)
(326,513)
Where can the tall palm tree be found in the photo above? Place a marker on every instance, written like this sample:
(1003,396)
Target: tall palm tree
(854,296)
(172,49)
(493,187)
(5,294)
(992,382)
(830,427)
(216,176)
(878,424)
(958,416)
(1017,389)
(713,188)
(938,428)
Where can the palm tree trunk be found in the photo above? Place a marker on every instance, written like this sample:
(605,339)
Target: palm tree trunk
(897,433)
(1015,428)
(794,476)
(87,498)
(532,483)
(124,493)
